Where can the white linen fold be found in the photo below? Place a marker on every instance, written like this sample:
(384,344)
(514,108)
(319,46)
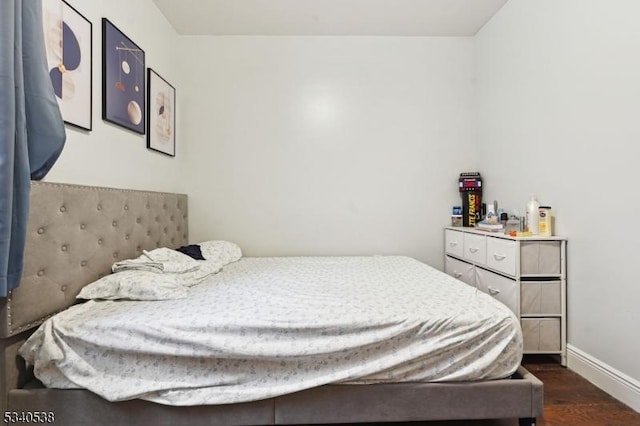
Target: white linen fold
(160,260)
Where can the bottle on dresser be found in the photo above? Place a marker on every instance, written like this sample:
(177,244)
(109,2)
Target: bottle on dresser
(532,215)
(545,221)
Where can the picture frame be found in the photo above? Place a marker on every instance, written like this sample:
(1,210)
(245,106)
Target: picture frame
(123,79)
(161,114)
(69,48)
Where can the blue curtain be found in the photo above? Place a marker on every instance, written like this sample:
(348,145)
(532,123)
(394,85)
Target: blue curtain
(32,132)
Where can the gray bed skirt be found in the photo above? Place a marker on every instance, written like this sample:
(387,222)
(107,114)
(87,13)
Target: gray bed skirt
(518,397)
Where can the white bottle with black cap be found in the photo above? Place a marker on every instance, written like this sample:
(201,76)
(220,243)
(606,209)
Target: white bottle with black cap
(533,207)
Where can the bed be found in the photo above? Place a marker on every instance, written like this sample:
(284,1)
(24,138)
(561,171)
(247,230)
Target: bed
(76,233)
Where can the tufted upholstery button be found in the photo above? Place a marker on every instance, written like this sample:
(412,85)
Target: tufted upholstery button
(114,223)
(158,244)
(138,220)
(171,218)
(83,226)
(100,241)
(165,229)
(147,206)
(99,207)
(126,237)
(164,207)
(173,240)
(83,263)
(63,209)
(40,231)
(126,207)
(157,218)
(178,228)
(138,248)
(41,272)
(148,233)
(63,287)
(64,247)
(115,255)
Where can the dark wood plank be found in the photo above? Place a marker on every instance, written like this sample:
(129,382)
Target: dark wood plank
(572,400)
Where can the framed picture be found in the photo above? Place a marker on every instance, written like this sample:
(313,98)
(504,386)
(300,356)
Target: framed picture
(123,89)
(67,37)
(161,116)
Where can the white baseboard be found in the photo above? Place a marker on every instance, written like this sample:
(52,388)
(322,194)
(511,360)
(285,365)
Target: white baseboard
(607,378)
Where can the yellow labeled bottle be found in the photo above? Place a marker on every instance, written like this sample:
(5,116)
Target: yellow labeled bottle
(544,221)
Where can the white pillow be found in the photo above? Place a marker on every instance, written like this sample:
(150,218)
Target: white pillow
(220,252)
(135,285)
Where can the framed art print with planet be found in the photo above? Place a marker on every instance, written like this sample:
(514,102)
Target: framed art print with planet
(161,118)
(123,88)
(67,37)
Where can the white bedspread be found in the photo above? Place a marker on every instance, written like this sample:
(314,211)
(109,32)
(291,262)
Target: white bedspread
(264,327)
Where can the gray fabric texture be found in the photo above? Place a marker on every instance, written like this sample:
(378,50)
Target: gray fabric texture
(518,397)
(74,236)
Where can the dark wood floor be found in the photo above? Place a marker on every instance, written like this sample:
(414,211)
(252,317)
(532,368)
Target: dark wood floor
(569,400)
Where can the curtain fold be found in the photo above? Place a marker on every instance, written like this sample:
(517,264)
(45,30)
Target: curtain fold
(32,133)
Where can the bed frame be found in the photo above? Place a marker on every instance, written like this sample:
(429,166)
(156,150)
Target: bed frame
(76,232)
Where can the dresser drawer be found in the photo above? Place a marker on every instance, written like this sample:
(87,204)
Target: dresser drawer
(475,248)
(453,241)
(540,258)
(540,298)
(501,255)
(461,270)
(541,334)
(501,288)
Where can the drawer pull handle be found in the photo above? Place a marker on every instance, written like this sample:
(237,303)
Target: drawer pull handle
(493,291)
(453,243)
(474,249)
(457,274)
(499,257)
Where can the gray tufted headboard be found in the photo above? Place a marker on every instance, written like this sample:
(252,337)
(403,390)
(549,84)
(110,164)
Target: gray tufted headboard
(74,235)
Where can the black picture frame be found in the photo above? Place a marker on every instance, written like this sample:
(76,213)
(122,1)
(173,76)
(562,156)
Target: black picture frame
(123,79)
(68,38)
(161,114)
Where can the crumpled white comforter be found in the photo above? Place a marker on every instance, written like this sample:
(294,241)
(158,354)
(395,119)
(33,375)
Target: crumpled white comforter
(160,260)
(264,327)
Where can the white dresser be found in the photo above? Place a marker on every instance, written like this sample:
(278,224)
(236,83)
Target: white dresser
(528,274)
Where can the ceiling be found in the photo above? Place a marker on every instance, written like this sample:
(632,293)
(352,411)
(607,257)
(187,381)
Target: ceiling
(329,17)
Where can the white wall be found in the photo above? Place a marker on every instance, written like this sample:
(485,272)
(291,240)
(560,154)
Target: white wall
(559,115)
(326,145)
(110,155)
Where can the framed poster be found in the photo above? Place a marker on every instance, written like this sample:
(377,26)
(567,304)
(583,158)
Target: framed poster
(123,89)
(67,37)
(161,116)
